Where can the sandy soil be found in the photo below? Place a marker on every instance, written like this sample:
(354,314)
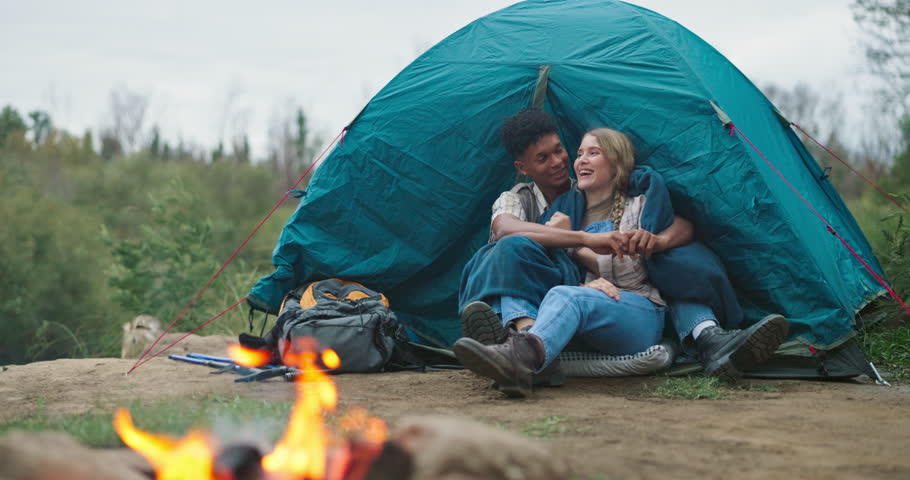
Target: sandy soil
(613,429)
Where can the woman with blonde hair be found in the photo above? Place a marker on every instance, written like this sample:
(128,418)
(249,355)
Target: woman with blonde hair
(618,311)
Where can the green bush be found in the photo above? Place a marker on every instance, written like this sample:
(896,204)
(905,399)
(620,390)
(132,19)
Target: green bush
(53,302)
(159,272)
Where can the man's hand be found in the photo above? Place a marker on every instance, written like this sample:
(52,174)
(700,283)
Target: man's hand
(608,243)
(643,242)
(605,286)
(560,220)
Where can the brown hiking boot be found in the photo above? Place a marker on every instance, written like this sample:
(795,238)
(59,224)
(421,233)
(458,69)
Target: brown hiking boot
(510,364)
(552,376)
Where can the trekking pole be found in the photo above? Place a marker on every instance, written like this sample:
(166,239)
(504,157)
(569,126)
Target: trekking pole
(284,371)
(208,362)
(209,357)
(247,374)
(221,366)
(224,359)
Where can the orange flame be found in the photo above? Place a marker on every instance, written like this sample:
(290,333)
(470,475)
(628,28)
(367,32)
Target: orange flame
(308,449)
(330,359)
(190,457)
(248,357)
(301,453)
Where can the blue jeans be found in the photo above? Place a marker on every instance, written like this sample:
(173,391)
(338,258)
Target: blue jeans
(685,316)
(598,322)
(510,308)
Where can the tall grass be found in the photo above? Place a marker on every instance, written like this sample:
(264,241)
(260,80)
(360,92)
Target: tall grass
(888,342)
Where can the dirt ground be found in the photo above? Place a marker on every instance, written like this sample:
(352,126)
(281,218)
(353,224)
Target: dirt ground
(612,429)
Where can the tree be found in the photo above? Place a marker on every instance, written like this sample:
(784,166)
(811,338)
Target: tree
(41,126)
(88,145)
(301,140)
(218,153)
(110,145)
(127,117)
(886,24)
(241,150)
(822,116)
(886,39)
(10,121)
(155,142)
(291,144)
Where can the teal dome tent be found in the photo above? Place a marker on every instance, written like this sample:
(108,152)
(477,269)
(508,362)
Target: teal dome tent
(405,201)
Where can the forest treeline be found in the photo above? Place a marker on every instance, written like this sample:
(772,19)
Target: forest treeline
(99,227)
(96,233)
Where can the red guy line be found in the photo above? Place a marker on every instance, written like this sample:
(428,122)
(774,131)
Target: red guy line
(860,175)
(140,361)
(830,229)
(143,362)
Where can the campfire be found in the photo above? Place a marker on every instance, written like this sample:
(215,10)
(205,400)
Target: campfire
(309,449)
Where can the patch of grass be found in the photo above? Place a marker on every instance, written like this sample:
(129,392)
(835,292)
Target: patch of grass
(889,350)
(172,417)
(545,427)
(690,388)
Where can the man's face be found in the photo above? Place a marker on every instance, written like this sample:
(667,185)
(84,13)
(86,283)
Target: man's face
(546,162)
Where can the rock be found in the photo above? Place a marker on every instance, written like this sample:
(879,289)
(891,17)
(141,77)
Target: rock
(449,448)
(55,455)
(138,334)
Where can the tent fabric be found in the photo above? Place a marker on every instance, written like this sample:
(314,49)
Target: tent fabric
(405,202)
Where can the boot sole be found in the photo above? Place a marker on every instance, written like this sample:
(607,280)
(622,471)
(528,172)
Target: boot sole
(480,363)
(758,348)
(480,322)
(557,380)
(762,344)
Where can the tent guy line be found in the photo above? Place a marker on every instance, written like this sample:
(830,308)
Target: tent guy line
(735,130)
(860,175)
(142,358)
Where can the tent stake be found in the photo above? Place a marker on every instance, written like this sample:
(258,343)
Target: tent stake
(878,377)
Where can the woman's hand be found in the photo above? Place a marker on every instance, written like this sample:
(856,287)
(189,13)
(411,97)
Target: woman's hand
(643,242)
(608,243)
(605,286)
(560,220)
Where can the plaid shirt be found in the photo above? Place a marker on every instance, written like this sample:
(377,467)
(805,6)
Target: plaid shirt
(509,202)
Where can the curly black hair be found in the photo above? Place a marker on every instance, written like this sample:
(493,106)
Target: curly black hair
(525,128)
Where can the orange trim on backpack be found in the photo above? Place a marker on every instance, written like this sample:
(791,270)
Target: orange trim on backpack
(307,299)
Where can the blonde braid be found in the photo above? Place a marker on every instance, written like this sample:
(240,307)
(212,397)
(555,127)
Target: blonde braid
(619,207)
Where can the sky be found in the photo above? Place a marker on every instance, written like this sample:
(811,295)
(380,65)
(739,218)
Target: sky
(210,69)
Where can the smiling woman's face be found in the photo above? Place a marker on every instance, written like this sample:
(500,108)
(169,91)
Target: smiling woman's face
(595,171)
